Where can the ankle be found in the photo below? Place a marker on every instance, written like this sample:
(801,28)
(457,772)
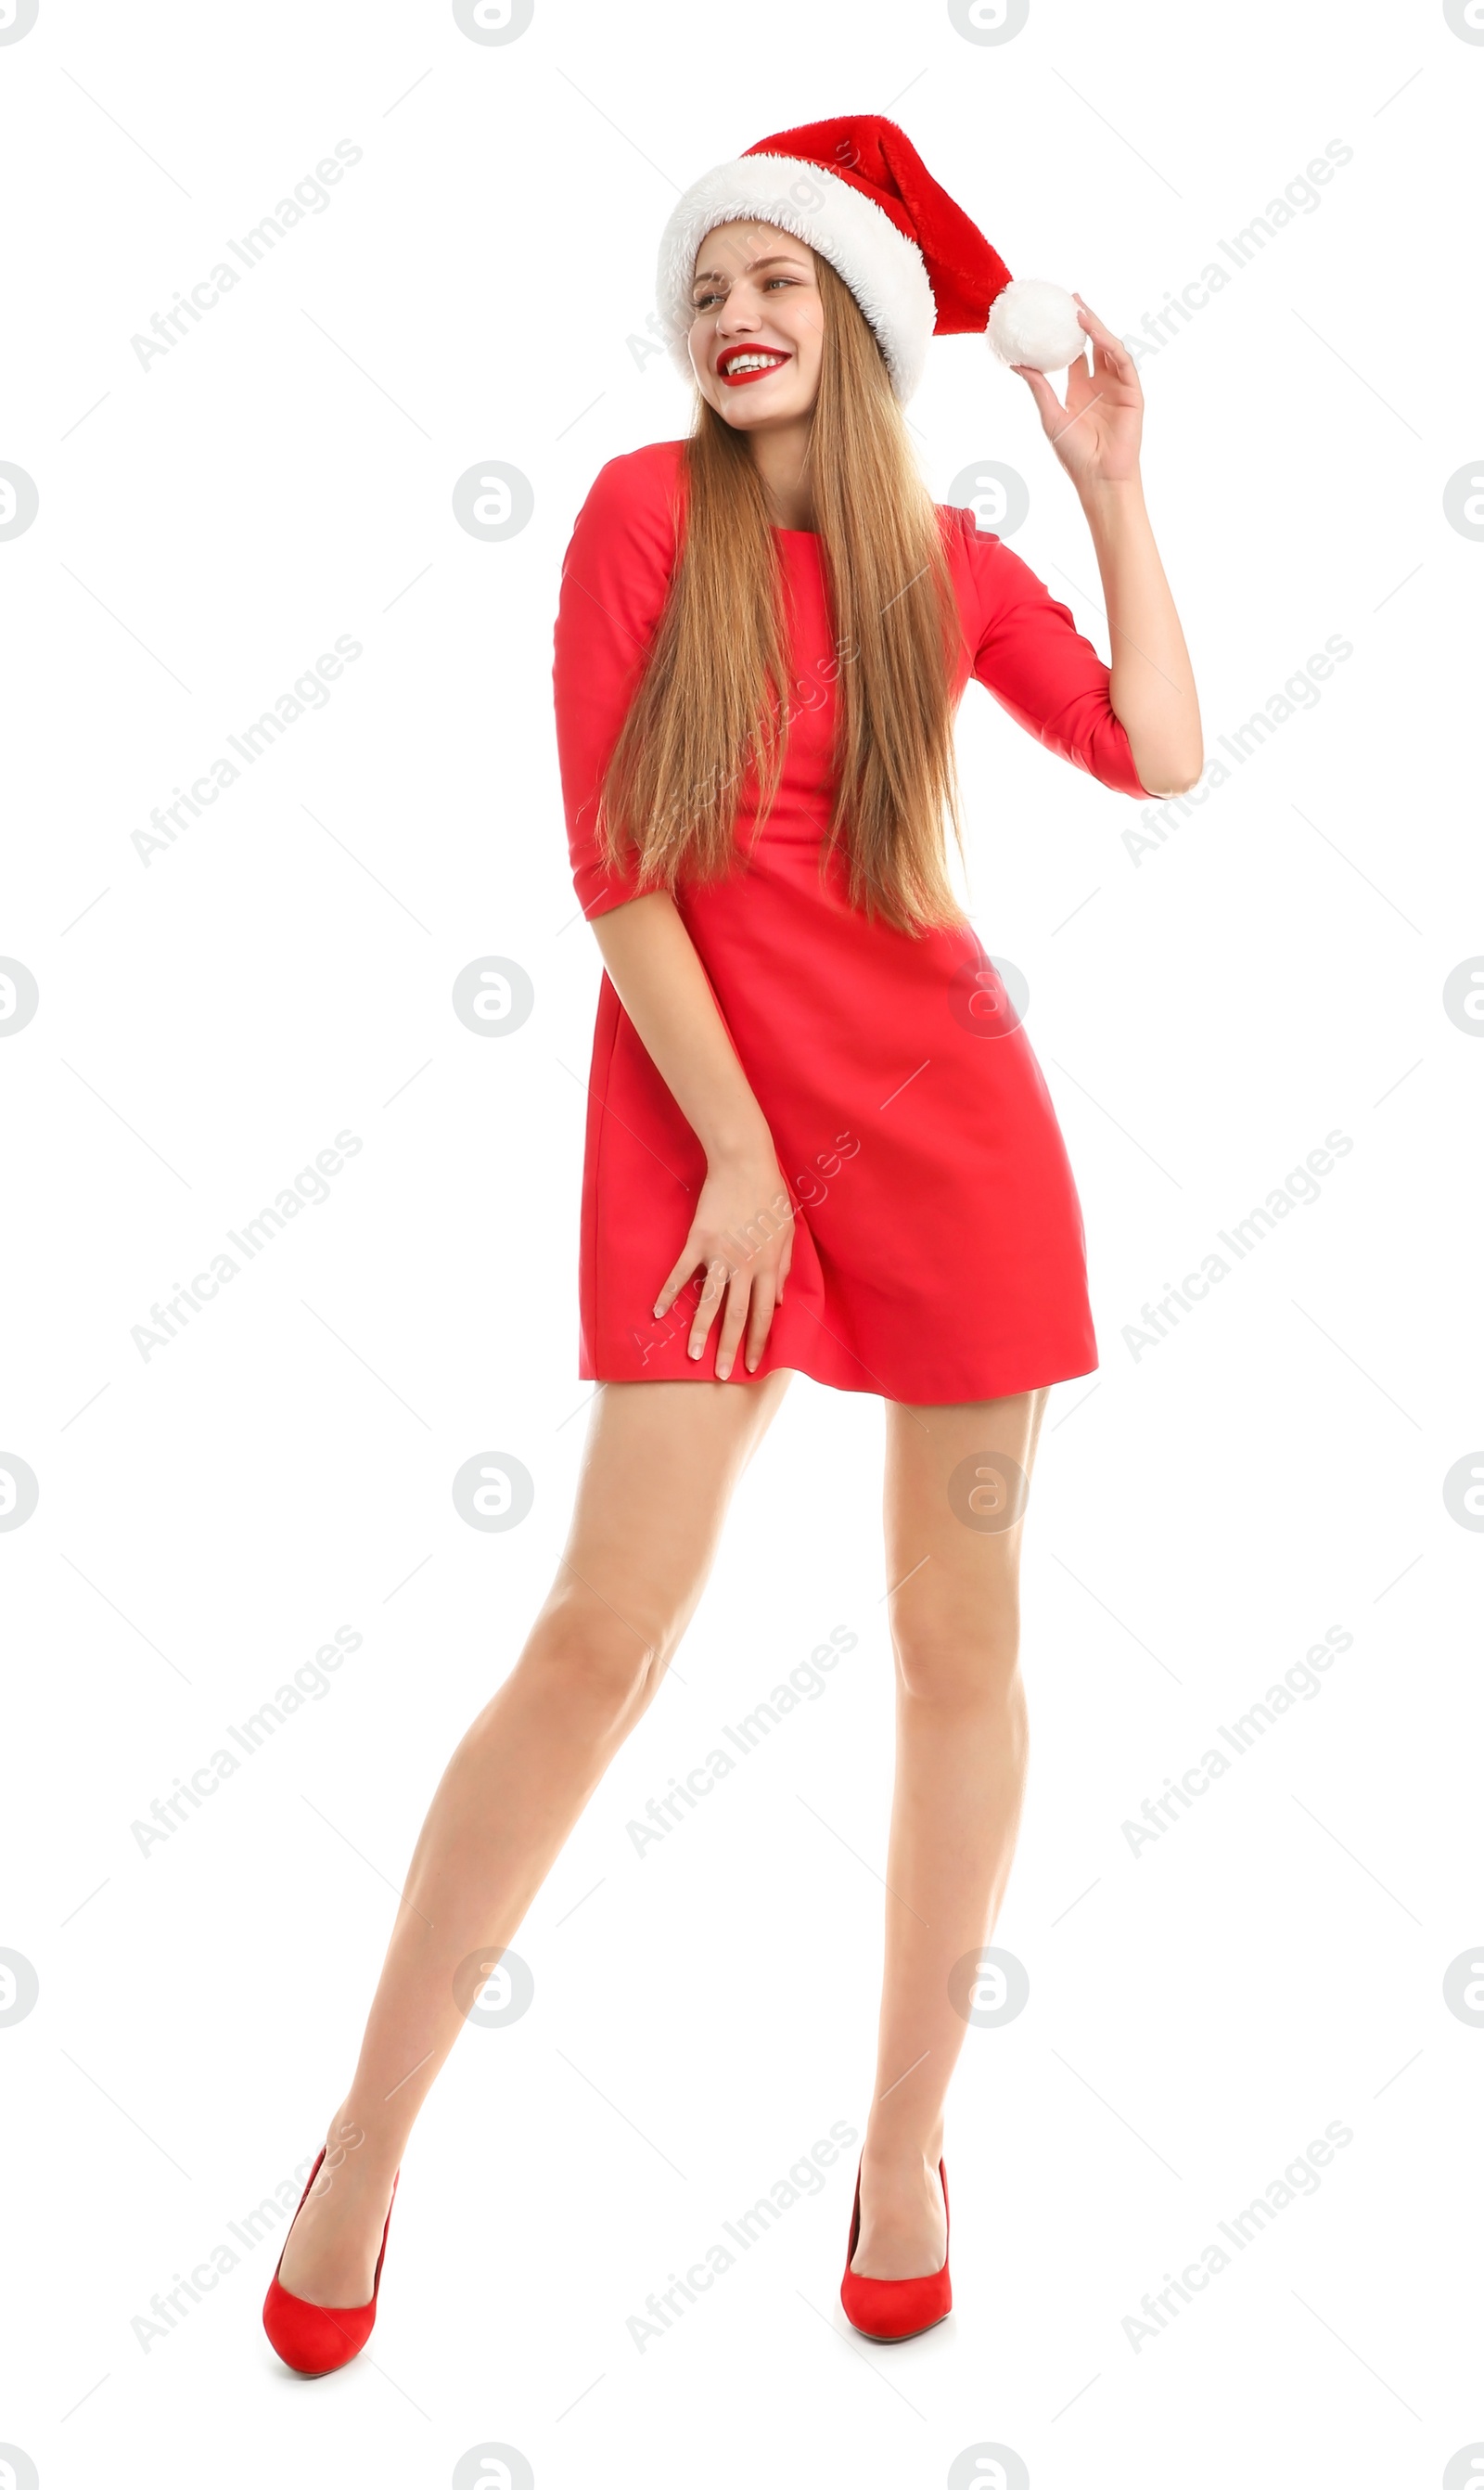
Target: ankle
(902,2158)
(356,2161)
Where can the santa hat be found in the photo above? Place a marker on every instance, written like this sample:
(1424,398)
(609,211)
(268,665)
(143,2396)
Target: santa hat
(857,192)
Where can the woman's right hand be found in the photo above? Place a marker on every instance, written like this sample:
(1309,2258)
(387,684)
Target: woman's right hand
(742,1238)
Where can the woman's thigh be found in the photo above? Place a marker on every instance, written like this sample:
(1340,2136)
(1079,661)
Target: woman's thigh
(659,1467)
(957,1484)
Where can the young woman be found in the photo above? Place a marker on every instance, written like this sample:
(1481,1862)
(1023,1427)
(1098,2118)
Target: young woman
(818,1139)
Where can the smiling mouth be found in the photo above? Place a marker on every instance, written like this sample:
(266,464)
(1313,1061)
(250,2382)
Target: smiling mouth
(737,364)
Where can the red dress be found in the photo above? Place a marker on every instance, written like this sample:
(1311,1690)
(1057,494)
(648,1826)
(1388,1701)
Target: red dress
(939,1253)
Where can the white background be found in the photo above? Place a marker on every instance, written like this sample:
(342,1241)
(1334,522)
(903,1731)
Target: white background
(1202,1511)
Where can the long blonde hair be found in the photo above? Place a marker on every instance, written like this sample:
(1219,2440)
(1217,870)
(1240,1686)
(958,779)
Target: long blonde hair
(712,700)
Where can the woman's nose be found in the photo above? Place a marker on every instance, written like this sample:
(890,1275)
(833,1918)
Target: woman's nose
(738,313)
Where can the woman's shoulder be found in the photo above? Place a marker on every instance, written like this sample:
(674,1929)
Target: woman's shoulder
(987,574)
(626,541)
(639,489)
(966,542)
(969,555)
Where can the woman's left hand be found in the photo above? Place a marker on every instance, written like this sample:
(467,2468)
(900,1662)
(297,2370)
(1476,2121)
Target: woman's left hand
(1096,435)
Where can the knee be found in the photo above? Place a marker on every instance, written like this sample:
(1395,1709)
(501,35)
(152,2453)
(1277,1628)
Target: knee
(959,1665)
(605,1667)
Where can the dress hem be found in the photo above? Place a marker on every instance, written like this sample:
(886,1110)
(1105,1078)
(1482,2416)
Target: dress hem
(872,1391)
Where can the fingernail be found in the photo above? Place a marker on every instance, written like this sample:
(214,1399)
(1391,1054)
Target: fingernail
(722,1374)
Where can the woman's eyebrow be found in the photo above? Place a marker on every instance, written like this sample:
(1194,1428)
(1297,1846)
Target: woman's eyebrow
(775,259)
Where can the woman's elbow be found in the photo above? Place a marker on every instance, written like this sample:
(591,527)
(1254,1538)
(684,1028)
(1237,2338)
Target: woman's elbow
(1172,773)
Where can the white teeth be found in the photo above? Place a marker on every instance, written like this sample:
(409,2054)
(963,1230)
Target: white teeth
(754,363)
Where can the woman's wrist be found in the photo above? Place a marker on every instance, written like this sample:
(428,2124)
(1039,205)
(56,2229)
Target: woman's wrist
(741,1148)
(1104,496)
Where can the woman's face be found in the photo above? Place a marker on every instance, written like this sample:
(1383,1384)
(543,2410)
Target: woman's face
(757,327)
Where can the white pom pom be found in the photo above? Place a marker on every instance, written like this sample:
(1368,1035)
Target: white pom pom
(1032,322)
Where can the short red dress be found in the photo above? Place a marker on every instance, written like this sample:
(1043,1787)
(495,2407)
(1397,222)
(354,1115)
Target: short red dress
(939,1253)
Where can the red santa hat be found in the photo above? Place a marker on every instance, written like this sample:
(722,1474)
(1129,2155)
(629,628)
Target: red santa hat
(857,192)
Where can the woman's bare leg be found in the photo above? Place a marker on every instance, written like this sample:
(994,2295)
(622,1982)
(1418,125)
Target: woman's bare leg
(961,1774)
(659,1467)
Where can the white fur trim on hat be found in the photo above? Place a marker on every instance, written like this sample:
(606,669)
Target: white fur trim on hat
(884,271)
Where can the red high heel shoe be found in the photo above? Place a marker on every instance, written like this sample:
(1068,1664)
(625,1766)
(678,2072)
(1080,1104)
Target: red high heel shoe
(890,2311)
(316,2340)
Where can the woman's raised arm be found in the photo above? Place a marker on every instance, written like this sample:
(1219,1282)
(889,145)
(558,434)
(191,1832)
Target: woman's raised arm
(1095,436)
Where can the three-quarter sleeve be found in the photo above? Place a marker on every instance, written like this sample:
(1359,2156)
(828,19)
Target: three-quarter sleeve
(614,580)
(1029,654)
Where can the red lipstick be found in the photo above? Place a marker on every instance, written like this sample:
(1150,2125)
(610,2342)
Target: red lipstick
(731,355)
